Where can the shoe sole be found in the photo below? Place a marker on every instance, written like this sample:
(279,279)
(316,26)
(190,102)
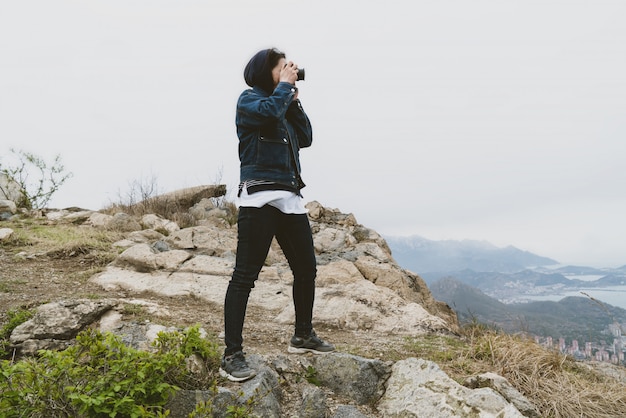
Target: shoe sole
(302,350)
(232,378)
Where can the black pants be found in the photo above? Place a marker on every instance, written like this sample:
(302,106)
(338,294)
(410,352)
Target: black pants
(256,229)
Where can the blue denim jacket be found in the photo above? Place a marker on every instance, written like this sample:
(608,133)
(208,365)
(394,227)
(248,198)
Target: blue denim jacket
(266,125)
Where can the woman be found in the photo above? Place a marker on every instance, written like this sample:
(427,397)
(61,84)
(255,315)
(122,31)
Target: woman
(272,127)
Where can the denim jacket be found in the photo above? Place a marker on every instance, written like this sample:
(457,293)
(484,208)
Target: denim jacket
(266,125)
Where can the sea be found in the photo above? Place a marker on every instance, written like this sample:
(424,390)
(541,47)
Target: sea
(613,295)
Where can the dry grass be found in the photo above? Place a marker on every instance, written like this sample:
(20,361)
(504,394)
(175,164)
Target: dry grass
(60,240)
(557,384)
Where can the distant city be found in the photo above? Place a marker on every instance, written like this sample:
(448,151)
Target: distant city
(605,350)
(577,310)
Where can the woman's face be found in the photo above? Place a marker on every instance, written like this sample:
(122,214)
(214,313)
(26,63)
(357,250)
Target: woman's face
(276,70)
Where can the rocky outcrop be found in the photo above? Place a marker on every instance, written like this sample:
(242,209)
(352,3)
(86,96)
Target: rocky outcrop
(360,387)
(56,324)
(359,287)
(188,197)
(419,388)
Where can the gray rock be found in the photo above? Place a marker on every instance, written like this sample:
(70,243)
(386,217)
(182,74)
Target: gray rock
(124,223)
(55,321)
(348,411)
(313,403)
(263,391)
(10,189)
(504,388)
(7,207)
(184,402)
(356,377)
(420,388)
(5,233)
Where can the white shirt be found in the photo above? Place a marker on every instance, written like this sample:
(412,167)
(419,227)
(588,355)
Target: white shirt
(283,200)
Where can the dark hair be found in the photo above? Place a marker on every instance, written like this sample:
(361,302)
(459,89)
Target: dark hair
(274,56)
(258,71)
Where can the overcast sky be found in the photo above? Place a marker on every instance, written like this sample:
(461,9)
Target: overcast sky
(502,121)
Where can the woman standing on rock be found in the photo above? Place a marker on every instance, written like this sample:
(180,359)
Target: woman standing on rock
(272,127)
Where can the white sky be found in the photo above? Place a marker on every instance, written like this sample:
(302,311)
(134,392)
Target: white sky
(494,120)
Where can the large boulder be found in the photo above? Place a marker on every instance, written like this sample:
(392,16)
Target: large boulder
(419,388)
(11,190)
(183,199)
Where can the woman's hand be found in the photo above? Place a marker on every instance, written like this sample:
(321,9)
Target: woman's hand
(289,73)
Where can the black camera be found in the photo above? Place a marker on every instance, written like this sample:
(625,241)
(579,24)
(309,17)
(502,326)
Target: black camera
(300,74)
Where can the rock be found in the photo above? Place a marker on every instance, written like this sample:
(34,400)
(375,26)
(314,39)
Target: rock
(348,411)
(184,199)
(155,222)
(5,233)
(143,258)
(262,391)
(184,402)
(313,403)
(8,208)
(11,190)
(420,388)
(504,388)
(208,213)
(73,215)
(205,239)
(357,378)
(99,220)
(331,240)
(56,321)
(124,223)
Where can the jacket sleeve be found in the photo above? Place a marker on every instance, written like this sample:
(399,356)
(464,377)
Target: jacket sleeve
(301,124)
(257,109)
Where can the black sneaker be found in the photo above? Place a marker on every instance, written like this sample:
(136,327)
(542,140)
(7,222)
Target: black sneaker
(311,344)
(235,368)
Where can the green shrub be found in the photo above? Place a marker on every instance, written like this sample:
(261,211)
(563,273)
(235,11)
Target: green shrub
(37,189)
(99,376)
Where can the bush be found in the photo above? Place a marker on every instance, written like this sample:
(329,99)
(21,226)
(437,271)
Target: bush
(36,192)
(101,377)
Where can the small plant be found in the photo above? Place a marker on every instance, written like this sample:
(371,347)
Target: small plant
(190,342)
(15,318)
(37,191)
(310,374)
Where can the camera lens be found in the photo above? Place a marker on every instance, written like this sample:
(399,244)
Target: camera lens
(300,74)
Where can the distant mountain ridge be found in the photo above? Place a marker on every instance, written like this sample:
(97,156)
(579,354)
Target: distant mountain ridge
(422,255)
(488,284)
(571,317)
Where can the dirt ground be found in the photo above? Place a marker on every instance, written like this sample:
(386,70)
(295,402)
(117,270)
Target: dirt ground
(29,279)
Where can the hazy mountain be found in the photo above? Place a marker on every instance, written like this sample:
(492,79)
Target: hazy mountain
(422,255)
(571,317)
(488,280)
(578,270)
(527,282)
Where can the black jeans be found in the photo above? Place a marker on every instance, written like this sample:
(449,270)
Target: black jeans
(256,229)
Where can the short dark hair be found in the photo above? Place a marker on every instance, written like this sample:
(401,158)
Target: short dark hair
(274,56)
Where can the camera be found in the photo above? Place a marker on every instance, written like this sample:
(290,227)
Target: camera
(300,74)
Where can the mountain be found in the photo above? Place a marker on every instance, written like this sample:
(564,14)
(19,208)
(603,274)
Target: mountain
(572,317)
(488,281)
(526,284)
(422,255)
